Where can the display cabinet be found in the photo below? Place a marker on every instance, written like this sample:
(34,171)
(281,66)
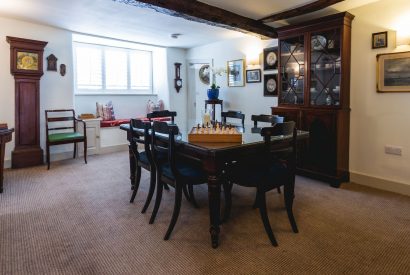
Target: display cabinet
(314,91)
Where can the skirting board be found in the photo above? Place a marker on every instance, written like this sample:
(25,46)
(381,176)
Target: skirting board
(68,155)
(378,183)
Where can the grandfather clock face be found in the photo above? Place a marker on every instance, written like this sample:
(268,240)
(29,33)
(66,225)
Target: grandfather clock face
(27,61)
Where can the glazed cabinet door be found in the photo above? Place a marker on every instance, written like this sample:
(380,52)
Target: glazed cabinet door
(325,68)
(292,70)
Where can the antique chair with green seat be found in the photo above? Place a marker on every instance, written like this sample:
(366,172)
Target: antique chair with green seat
(233,114)
(269,172)
(67,121)
(177,171)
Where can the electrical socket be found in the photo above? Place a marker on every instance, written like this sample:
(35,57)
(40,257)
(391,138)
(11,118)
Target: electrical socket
(393,150)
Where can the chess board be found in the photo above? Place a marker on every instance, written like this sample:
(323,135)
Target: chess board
(214,135)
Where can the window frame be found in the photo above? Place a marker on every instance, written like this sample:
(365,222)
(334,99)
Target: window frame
(104,90)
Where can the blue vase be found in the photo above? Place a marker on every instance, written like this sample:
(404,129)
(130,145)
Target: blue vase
(213,93)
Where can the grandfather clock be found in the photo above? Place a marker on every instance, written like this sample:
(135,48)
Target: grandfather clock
(26,65)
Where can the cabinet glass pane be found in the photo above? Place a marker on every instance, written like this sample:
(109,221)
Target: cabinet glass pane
(325,68)
(292,70)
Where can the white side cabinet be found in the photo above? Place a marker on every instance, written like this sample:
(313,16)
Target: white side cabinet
(93,136)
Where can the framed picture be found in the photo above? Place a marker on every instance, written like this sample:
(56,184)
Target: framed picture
(393,72)
(204,74)
(236,73)
(379,40)
(253,76)
(270,58)
(270,84)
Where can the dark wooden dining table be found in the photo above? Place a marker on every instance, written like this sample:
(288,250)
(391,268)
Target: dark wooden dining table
(214,157)
(5,136)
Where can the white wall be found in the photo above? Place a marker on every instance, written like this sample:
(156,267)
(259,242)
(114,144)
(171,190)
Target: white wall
(378,119)
(55,90)
(178,101)
(248,99)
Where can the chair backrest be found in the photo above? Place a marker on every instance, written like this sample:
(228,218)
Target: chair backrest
(157,148)
(65,115)
(233,114)
(272,119)
(288,150)
(136,137)
(164,113)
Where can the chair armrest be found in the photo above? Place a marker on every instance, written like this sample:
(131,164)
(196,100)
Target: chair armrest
(84,128)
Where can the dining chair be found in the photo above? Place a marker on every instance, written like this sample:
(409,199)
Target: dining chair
(162,114)
(272,119)
(267,172)
(233,114)
(177,172)
(142,159)
(58,124)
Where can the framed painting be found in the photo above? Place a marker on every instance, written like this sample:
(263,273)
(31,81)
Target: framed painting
(236,73)
(270,58)
(393,72)
(379,40)
(253,76)
(270,85)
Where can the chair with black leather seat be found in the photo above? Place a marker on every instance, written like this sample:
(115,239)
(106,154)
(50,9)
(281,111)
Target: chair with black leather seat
(142,159)
(65,118)
(162,114)
(177,172)
(233,114)
(269,172)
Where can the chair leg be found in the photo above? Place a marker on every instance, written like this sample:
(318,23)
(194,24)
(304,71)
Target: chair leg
(48,156)
(264,215)
(75,150)
(228,201)
(279,190)
(255,202)
(151,190)
(191,195)
(136,184)
(166,187)
(158,198)
(288,194)
(186,194)
(85,151)
(177,208)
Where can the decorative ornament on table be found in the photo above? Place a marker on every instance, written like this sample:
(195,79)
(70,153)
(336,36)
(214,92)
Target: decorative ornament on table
(213,92)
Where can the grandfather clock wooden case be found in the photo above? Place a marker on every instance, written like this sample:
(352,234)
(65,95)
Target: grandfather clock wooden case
(314,91)
(26,65)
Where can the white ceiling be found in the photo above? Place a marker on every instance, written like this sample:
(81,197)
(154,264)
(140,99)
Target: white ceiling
(117,20)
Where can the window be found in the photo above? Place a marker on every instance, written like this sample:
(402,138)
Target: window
(112,70)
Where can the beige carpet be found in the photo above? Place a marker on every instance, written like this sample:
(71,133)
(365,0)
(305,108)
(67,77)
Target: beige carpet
(76,219)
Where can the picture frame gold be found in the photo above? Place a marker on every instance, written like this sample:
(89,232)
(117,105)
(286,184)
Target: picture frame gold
(236,73)
(393,72)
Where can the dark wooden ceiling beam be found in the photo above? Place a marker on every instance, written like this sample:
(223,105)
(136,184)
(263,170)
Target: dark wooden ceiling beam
(308,8)
(204,13)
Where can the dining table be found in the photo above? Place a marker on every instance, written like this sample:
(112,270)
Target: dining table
(214,157)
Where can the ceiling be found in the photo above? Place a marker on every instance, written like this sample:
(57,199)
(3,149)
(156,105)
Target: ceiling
(117,20)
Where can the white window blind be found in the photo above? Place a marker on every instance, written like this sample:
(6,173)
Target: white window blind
(112,70)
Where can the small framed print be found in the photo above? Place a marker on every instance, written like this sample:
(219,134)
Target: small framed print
(270,84)
(379,40)
(253,76)
(270,58)
(236,73)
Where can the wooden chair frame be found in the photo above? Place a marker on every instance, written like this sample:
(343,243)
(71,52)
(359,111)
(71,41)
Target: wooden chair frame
(233,114)
(71,140)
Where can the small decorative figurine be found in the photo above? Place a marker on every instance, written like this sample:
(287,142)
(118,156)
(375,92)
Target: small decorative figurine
(52,63)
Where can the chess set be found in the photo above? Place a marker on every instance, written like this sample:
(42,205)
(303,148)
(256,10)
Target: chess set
(215,133)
